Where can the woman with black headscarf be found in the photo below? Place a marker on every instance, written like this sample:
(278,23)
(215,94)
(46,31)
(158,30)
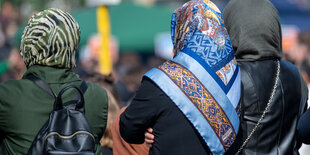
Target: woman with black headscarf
(274,93)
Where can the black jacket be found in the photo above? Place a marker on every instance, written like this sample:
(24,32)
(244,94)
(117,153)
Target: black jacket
(174,134)
(255,31)
(277,133)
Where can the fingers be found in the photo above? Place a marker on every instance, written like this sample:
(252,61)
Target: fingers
(149,137)
(148,145)
(150,130)
(148,142)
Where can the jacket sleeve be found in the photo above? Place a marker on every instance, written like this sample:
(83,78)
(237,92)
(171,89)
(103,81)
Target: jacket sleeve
(141,113)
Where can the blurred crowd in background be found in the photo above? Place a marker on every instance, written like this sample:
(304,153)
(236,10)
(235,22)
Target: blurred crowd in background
(130,62)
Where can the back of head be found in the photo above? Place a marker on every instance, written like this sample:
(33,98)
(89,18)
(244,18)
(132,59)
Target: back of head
(254,28)
(304,39)
(50,38)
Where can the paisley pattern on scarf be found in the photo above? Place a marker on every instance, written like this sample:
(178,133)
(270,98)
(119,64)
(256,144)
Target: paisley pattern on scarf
(203,100)
(50,38)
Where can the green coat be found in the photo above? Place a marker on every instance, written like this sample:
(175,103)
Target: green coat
(25,107)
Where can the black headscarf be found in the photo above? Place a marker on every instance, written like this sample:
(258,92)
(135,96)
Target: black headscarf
(254,28)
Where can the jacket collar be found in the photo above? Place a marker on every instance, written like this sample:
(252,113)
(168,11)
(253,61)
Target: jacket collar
(52,74)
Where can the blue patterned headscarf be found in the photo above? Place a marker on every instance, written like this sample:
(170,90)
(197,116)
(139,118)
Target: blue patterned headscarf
(203,78)
(198,26)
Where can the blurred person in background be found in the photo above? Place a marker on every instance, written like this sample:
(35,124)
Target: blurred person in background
(299,52)
(14,67)
(8,14)
(11,64)
(89,56)
(105,81)
(128,72)
(4,46)
(255,31)
(120,146)
(48,47)
(154,61)
(132,79)
(304,46)
(106,141)
(8,26)
(192,101)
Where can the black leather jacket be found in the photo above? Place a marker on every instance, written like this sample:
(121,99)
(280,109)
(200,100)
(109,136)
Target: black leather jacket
(277,133)
(255,32)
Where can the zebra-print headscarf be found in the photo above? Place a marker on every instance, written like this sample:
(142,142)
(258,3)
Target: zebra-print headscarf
(50,38)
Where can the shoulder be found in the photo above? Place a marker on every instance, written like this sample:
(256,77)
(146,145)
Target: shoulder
(293,83)
(14,92)
(96,99)
(289,73)
(14,87)
(288,67)
(151,96)
(149,88)
(96,108)
(95,90)
(13,83)
(268,67)
(287,64)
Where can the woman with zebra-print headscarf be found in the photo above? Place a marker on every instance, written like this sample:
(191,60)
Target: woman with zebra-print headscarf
(48,46)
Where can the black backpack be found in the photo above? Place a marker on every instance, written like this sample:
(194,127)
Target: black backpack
(67,131)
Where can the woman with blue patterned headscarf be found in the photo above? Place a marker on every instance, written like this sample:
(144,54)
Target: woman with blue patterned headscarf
(191,101)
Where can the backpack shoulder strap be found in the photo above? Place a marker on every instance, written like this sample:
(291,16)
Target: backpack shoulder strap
(41,84)
(83,88)
(48,89)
